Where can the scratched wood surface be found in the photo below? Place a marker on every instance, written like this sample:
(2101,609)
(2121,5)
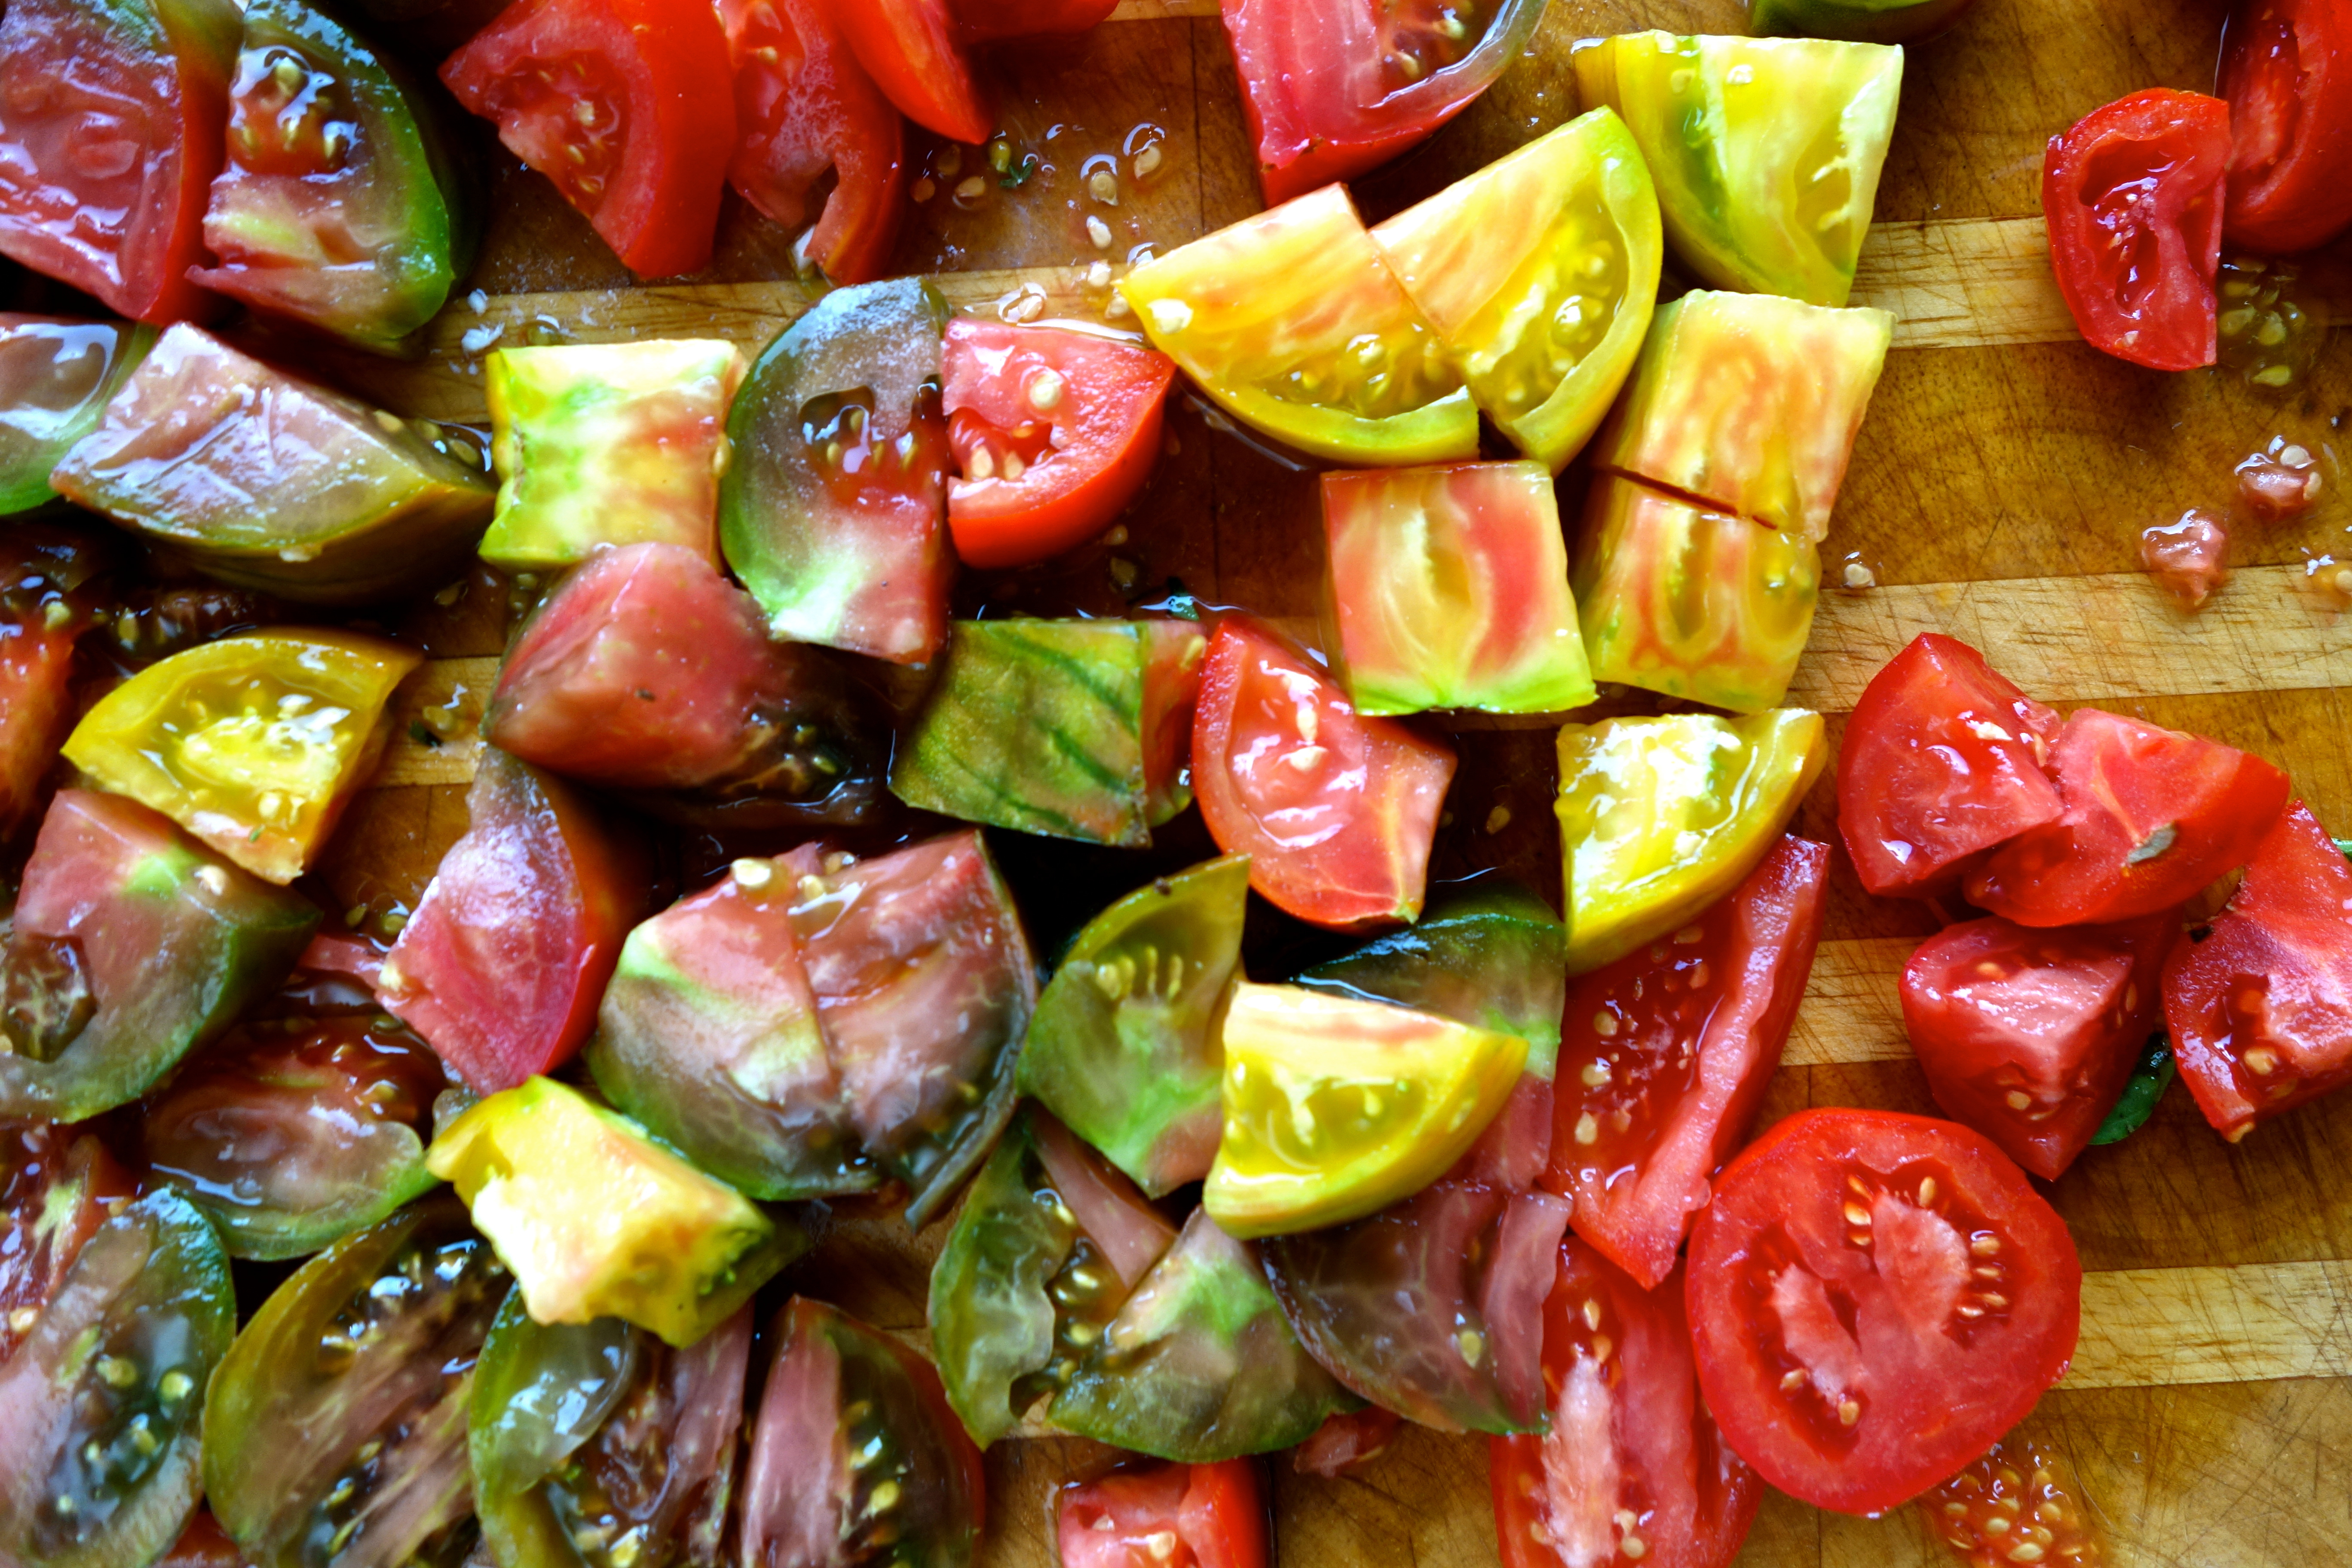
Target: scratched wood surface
(1997,494)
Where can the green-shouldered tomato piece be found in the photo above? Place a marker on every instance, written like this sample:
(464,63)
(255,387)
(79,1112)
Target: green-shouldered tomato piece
(1766,152)
(253,743)
(1124,1047)
(1691,603)
(132,946)
(1859,21)
(1336,1107)
(596,1220)
(1450,590)
(1660,817)
(602,444)
(1539,273)
(1750,402)
(271,482)
(1291,320)
(56,378)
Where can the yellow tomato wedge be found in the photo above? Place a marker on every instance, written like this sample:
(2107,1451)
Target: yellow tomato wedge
(1337,1107)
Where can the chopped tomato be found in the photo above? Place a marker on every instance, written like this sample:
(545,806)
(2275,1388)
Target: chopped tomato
(36,712)
(1633,1470)
(112,118)
(2152,817)
(909,48)
(1055,432)
(1875,1299)
(1665,1054)
(2286,69)
(804,105)
(2030,1036)
(1943,759)
(1345,1441)
(2133,195)
(55,1188)
(2190,559)
(1336,811)
(2260,1011)
(614,101)
(1168,1516)
(984,21)
(2021,1493)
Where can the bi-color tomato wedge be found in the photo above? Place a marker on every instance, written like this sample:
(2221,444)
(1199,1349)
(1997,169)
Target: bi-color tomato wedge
(909,49)
(2287,73)
(1167,1516)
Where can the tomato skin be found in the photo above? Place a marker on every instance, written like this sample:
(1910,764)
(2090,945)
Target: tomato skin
(1935,1342)
(654,196)
(1215,1514)
(2286,69)
(1344,847)
(2132,194)
(909,49)
(2152,817)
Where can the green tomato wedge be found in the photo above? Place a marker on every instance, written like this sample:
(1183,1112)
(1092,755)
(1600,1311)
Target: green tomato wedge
(55,379)
(1123,1047)
(1199,1364)
(1539,273)
(1291,320)
(1860,21)
(1766,152)
(1336,1107)
(1660,817)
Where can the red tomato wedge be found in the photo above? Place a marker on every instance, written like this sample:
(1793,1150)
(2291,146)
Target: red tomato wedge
(2260,1011)
(1943,759)
(1874,1300)
(36,713)
(55,1187)
(2134,196)
(1633,1470)
(502,964)
(1336,811)
(2153,816)
(1169,1516)
(2286,69)
(613,100)
(984,21)
(909,49)
(804,105)
(1334,87)
(2030,1036)
(1053,432)
(113,120)
(1666,1053)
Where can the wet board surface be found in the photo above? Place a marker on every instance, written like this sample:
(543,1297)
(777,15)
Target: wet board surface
(1997,493)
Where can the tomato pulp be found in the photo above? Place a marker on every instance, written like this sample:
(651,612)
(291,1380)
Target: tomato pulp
(2286,69)
(1169,1516)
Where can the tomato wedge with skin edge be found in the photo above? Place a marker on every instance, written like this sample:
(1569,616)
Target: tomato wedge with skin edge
(1874,1299)
(2286,70)
(614,101)
(909,49)
(2134,195)
(55,1189)
(1169,1516)
(1634,1469)
(1337,812)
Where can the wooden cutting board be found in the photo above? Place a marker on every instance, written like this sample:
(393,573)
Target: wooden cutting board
(1997,493)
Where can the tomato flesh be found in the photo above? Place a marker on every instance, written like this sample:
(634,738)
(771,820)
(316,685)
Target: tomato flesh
(2286,70)
(55,1188)
(909,49)
(36,713)
(1167,1516)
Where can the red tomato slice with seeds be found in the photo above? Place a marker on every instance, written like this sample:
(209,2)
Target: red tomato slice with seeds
(2286,69)
(1054,431)
(909,49)
(613,101)
(1336,811)
(1874,1300)
(1166,1516)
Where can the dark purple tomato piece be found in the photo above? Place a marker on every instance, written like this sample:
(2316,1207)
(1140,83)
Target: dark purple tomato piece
(55,1191)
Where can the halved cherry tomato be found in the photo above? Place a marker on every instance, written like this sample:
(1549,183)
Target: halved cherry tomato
(2286,69)
(2260,1011)
(2133,195)
(2152,817)
(1875,1299)
(984,21)
(1165,1516)
(909,48)
(53,1192)
(804,105)
(616,101)
(1633,1470)
(1096,401)
(1336,811)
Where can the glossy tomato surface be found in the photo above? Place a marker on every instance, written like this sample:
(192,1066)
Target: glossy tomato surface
(910,49)
(36,713)
(2286,70)
(1166,1516)
(1874,1299)
(55,1188)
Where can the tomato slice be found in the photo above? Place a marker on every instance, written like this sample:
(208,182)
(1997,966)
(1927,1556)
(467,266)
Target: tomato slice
(614,101)
(2286,70)
(1099,401)
(804,105)
(1666,1053)
(1335,87)
(910,49)
(1166,1516)
(55,1190)
(985,21)
(1336,811)
(1634,1469)
(36,713)
(1874,1299)
(1942,763)
(2030,1036)
(2152,817)
(2134,196)
(110,118)
(2260,1011)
